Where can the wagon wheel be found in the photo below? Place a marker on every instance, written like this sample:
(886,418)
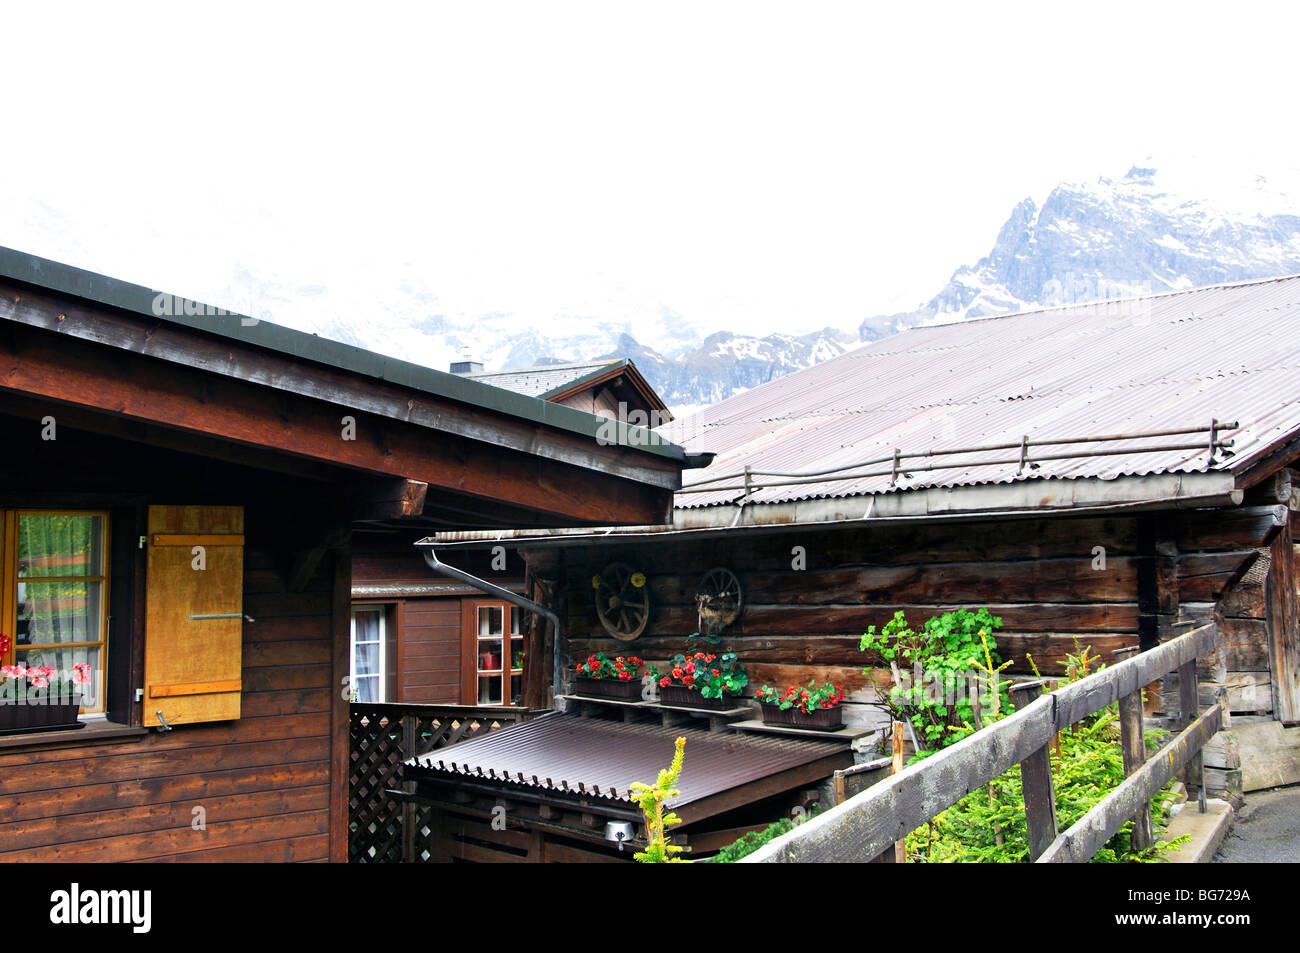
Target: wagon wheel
(719,600)
(622,601)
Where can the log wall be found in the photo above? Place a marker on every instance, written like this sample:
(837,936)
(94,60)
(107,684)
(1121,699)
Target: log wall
(1052,581)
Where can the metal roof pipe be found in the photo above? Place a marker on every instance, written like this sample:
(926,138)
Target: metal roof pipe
(492,589)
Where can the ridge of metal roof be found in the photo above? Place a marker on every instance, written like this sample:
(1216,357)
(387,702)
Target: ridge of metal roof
(113,292)
(1122,299)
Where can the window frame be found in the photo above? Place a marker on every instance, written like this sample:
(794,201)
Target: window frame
(10,580)
(472,671)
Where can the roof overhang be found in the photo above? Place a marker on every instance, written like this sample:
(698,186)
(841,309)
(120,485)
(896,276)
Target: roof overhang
(209,384)
(1028,499)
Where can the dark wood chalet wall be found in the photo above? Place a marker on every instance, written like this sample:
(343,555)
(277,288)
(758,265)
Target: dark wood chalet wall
(1042,577)
(429,628)
(429,651)
(264,780)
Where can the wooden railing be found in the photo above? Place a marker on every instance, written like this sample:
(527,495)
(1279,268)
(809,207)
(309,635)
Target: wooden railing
(381,738)
(867,824)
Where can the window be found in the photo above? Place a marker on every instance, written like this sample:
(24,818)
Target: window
(371,673)
(55,593)
(498,655)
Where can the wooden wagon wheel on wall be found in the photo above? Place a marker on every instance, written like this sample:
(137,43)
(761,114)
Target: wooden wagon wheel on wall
(622,601)
(718,600)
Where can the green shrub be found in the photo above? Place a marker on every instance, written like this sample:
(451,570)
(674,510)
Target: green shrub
(988,825)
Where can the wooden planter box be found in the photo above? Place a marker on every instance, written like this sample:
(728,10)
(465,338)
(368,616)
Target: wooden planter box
(679,696)
(16,719)
(823,719)
(629,691)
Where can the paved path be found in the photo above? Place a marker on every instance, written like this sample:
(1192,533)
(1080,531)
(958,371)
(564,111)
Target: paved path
(1266,831)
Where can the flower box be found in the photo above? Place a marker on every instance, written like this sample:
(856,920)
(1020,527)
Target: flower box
(617,689)
(678,696)
(822,719)
(19,718)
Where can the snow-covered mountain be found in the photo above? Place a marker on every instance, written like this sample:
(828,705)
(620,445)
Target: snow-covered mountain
(725,363)
(1145,232)
(1115,238)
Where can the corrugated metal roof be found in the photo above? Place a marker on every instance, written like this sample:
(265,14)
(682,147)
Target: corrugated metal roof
(573,755)
(1170,361)
(542,381)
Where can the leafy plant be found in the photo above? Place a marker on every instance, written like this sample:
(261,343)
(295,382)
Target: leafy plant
(989,825)
(807,700)
(746,844)
(952,687)
(651,798)
(710,675)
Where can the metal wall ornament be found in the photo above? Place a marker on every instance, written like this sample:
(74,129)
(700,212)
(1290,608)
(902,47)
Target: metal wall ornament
(718,600)
(622,601)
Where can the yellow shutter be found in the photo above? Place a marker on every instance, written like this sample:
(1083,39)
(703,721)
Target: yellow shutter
(194,616)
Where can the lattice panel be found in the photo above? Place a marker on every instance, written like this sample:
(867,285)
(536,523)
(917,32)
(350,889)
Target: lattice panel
(381,738)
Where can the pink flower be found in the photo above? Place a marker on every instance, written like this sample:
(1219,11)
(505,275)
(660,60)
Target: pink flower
(81,676)
(39,682)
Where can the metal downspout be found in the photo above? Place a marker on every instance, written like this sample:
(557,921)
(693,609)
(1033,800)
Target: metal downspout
(460,575)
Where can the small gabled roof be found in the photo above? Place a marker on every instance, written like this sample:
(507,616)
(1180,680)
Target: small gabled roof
(553,382)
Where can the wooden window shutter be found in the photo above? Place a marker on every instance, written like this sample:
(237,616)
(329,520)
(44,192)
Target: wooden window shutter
(194,616)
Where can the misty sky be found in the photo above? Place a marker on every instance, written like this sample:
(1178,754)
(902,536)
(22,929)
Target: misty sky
(740,163)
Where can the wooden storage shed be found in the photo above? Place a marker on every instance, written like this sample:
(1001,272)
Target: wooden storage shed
(1109,473)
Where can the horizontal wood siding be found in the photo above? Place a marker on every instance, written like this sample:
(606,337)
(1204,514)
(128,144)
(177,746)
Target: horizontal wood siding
(264,780)
(1042,577)
(429,652)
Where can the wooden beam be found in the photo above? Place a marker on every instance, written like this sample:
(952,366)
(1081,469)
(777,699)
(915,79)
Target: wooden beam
(1283,616)
(1090,833)
(130,386)
(868,823)
(1036,777)
(389,499)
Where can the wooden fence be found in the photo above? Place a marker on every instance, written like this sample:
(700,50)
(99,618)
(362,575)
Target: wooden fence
(867,824)
(381,738)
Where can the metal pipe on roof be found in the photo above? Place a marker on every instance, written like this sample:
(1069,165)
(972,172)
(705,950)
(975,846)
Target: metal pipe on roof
(492,589)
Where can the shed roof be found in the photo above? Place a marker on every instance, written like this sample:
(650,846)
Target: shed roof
(569,755)
(1145,365)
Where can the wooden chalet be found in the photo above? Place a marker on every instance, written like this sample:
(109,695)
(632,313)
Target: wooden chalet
(428,628)
(1110,473)
(177,510)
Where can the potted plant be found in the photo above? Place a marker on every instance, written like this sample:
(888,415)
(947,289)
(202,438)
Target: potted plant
(703,680)
(38,698)
(815,707)
(618,678)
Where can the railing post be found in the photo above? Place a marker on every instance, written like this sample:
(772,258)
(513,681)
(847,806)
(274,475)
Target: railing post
(1036,781)
(410,722)
(1132,741)
(1188,708)
(896,751)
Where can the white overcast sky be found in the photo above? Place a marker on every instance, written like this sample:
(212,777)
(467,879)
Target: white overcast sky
(741,163)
